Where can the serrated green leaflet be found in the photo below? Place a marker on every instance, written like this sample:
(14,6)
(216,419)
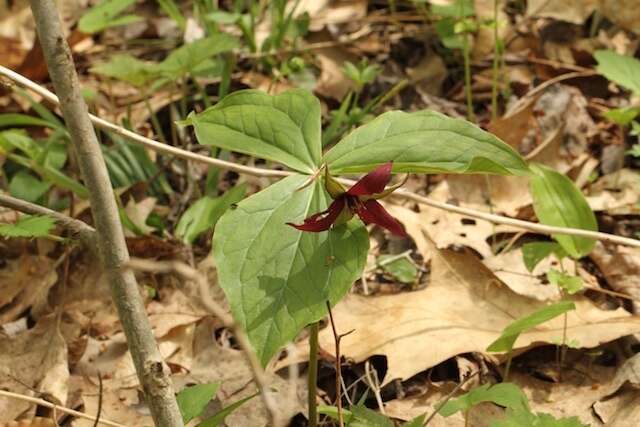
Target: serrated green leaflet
(277,279)
(283,128)
(557,201)
(28,226)
(621,69)
(424,141)
(511,333)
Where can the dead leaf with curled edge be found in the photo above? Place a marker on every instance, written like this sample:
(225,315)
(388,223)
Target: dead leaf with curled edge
(417,330)
(25,282)
(34,359)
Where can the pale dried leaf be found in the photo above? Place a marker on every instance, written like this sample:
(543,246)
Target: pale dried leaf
(418,330)
(36,358)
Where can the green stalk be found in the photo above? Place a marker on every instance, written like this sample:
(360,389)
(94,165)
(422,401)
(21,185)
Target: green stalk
(312,376)
(496,63)
(467,78)
(508,367)
(154,120)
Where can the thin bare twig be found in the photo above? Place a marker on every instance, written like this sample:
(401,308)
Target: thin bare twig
(400,193)
(449,396)
(153,373)
(55,407)
(210,304)
(337,338)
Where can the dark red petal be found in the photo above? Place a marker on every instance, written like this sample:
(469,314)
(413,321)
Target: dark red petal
(322,221)
(373,182)
(372,212)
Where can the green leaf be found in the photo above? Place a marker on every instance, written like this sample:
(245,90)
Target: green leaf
(105,15)
(504,394)
(218,418)
(194,399)
(454,9)
(622,116)
(28,226)
(557,201)
(511,333)
(365,417)
(533,253)
(25,186)
(170,8)
(424,141)
(524,417)
(186,59)
(332,411)
(203,214)
(126,68)
(16,119)
(400,268)
(416,422)
(284,128)
(277,279)
(621,69)
(568,282)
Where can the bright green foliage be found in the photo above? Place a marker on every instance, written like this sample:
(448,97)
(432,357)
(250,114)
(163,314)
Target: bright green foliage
(205,213)
(424,141)
(283,128)
(511,333)
(171,8)
(621,69)
(25,186)
(622,116)
(533,253)
(277,279)
(503,394)
(192,400)
(416,422)
(523,417)
(105,15)
(188,58)
(363,73)
(220,416)
(568,282)
(557,201)
(28,226)
(126,68)
(400,268)
(16,119)
(365,417)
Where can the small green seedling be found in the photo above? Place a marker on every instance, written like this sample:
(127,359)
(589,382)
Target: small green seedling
(567,282)
(503,394)
(400,268)
(510,334)
(107,14)
(193,400)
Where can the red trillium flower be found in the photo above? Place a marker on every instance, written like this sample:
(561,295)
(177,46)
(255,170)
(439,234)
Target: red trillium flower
(360,200)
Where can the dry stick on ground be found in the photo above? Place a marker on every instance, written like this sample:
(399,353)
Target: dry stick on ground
(210,304)
(400,193)
(153,373)
(47,404)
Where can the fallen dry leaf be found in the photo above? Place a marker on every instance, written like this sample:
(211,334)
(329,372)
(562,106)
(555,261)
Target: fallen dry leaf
(616,193)
(35,359)
(621,268)
(25,282)
(418,330)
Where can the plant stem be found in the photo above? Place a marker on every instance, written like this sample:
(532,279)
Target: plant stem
(508,367)
(312,376)
(153,373)
(467,77)
(496,63)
